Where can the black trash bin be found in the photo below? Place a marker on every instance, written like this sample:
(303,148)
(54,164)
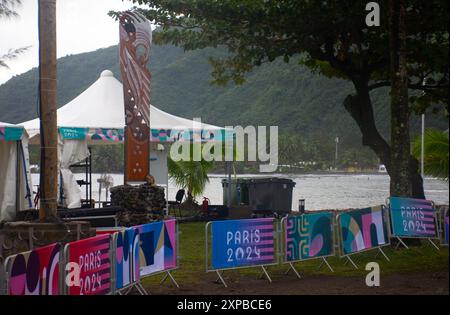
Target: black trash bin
(239,191)
(270,195)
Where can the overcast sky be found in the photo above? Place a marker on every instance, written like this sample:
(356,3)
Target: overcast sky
(82,25)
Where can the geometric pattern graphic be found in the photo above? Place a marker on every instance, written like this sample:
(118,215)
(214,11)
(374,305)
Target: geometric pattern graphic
(158,246)
(127,257)
(35,272)
(92,256)
(156,135)
(113,135)
(413,217)
(238,243)
(309,236)
(362,229)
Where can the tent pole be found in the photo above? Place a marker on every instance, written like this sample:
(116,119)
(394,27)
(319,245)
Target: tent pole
(18,177)
(229,184)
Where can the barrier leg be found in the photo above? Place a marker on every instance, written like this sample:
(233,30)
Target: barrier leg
(141,289)
(169,275)
(264,271)
(292,267)
(400,242)
(432,243)
(381,251)
(219,277)
(351,261)
(325,261)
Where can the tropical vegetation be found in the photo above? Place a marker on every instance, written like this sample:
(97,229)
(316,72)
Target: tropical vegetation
(436,153)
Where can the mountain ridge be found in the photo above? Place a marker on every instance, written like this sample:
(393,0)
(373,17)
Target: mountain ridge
(303,104)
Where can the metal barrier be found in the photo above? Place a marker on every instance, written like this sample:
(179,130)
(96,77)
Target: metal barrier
(166,271)
(90,274)
(304,228)
(343,254)
(444,225)
(410,205)
(250,257)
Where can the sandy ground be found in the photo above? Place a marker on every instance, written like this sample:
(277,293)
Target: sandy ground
(436,283)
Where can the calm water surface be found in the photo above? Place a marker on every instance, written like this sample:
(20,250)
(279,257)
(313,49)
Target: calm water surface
(319,191)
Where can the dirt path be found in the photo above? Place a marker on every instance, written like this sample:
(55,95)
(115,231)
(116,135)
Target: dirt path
(426,283)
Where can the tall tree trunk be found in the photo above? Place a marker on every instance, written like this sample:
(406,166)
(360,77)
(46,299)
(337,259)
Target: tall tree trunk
(360,108)
(401,173)
(47,97)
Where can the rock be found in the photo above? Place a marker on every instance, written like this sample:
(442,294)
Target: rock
(142,204)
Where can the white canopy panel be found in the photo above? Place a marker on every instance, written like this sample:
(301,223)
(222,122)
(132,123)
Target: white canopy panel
(15,181)
(101,106)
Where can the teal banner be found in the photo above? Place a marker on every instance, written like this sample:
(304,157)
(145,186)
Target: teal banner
(73,133)
(11,133)
(309,236)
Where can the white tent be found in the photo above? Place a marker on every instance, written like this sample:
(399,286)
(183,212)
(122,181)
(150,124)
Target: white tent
(15,180)
(97,116)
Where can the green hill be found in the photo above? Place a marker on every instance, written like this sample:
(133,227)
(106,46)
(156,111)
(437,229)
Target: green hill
(303,104)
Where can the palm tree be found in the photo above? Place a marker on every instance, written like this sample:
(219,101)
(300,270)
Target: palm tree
(435,153)
(190,175)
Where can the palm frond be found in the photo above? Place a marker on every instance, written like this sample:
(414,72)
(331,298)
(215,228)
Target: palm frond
(7,8)
(12,53)
(436,153)
(190,175)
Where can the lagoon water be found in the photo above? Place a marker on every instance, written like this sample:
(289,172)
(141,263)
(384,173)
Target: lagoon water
(319,191)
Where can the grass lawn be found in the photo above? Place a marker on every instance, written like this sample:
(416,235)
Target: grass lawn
(424,258)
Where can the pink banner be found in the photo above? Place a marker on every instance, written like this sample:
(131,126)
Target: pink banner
(35,272)
(92,257)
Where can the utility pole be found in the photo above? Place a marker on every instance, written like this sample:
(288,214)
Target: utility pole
(422,147)
(336,153)
(47,110)
(422,144)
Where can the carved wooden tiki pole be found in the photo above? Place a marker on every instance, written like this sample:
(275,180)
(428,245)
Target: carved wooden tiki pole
(135,43)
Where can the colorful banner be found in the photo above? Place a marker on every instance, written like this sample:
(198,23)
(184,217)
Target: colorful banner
(156,135)
(11,133)
(238,243)
(92,257)
(35,272)
(412,218)
(446,229)
(127,257)
(134,53)
(362,229)
(104,134)
(309,236)
(158,247)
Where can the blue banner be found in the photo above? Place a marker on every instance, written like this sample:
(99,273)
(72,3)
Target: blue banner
(127,257)
(158,247)
(239,243)
(412,217)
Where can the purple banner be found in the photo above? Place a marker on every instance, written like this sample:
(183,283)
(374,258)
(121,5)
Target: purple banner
(238,243)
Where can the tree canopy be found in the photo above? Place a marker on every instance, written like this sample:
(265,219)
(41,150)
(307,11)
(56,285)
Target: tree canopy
(333,39)
(331,36)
